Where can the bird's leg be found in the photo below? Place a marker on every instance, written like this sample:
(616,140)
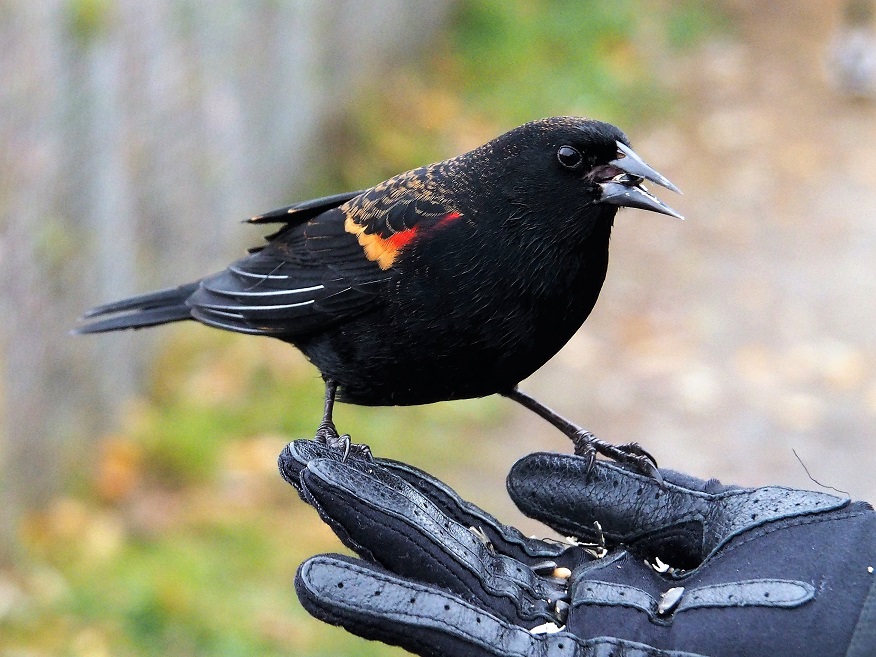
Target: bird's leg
(326,431)
(328,434)
(586,444)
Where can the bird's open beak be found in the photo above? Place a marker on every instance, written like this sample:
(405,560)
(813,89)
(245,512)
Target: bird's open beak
(621,182)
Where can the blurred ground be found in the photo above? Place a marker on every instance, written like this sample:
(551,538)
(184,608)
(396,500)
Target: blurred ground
(726,341)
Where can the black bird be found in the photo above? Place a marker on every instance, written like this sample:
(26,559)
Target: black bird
(450,281)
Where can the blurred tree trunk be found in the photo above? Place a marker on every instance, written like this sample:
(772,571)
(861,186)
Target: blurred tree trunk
(30,166)
(132,137)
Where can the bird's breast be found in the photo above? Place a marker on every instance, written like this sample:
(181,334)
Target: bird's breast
(462,317)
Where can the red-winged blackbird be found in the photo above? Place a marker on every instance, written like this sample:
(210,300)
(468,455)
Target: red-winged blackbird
(450,281)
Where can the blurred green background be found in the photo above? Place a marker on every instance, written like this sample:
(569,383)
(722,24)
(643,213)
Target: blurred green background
(143,514)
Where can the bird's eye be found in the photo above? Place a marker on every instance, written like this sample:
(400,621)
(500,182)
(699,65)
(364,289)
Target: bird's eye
(569,157)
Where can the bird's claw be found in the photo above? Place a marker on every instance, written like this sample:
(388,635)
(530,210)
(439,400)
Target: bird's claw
(635,449)
(588,446)
(348,448)
(361,451)
(342,443)
(647,466)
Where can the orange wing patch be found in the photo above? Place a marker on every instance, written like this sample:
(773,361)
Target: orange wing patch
(384,250)
(378,249)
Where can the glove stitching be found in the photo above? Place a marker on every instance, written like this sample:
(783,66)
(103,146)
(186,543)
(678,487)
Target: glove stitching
(492,566)
(512,537)
(426,542)
(371,631)
(486,587)
(464,511)
(455,629)
(489,576)
(377,509)
(703,596)
(641,649)
(740,540)
(554,518)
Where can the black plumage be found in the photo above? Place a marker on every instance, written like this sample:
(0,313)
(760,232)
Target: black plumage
(454,280)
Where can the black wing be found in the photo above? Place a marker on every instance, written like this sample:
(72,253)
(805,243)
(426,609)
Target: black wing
(327,269)
(250,278)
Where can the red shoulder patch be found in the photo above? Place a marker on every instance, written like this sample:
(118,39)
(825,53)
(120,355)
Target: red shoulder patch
(384,250)
(447,218)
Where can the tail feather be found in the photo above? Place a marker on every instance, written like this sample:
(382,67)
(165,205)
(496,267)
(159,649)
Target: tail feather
(136,320)
(160,299)
(143,310)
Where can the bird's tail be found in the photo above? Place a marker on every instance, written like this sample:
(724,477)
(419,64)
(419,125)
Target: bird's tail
(143,310)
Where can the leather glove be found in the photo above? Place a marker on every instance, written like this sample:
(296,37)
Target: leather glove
(744,572)
(764,571)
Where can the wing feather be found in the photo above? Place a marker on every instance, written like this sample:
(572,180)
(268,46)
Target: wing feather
(329,262)
(303,211)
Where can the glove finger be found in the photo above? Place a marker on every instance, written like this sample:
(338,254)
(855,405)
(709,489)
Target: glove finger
(375,604)
(563,492)
(680,521)
(504,539)
(386,521)
(297,454)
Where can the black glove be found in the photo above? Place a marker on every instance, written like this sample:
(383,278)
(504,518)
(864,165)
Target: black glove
(765,571)
(780,571)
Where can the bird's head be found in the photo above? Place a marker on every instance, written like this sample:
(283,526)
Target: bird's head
(568,167)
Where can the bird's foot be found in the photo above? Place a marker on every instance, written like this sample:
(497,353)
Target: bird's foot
(327,433)
(632,454)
